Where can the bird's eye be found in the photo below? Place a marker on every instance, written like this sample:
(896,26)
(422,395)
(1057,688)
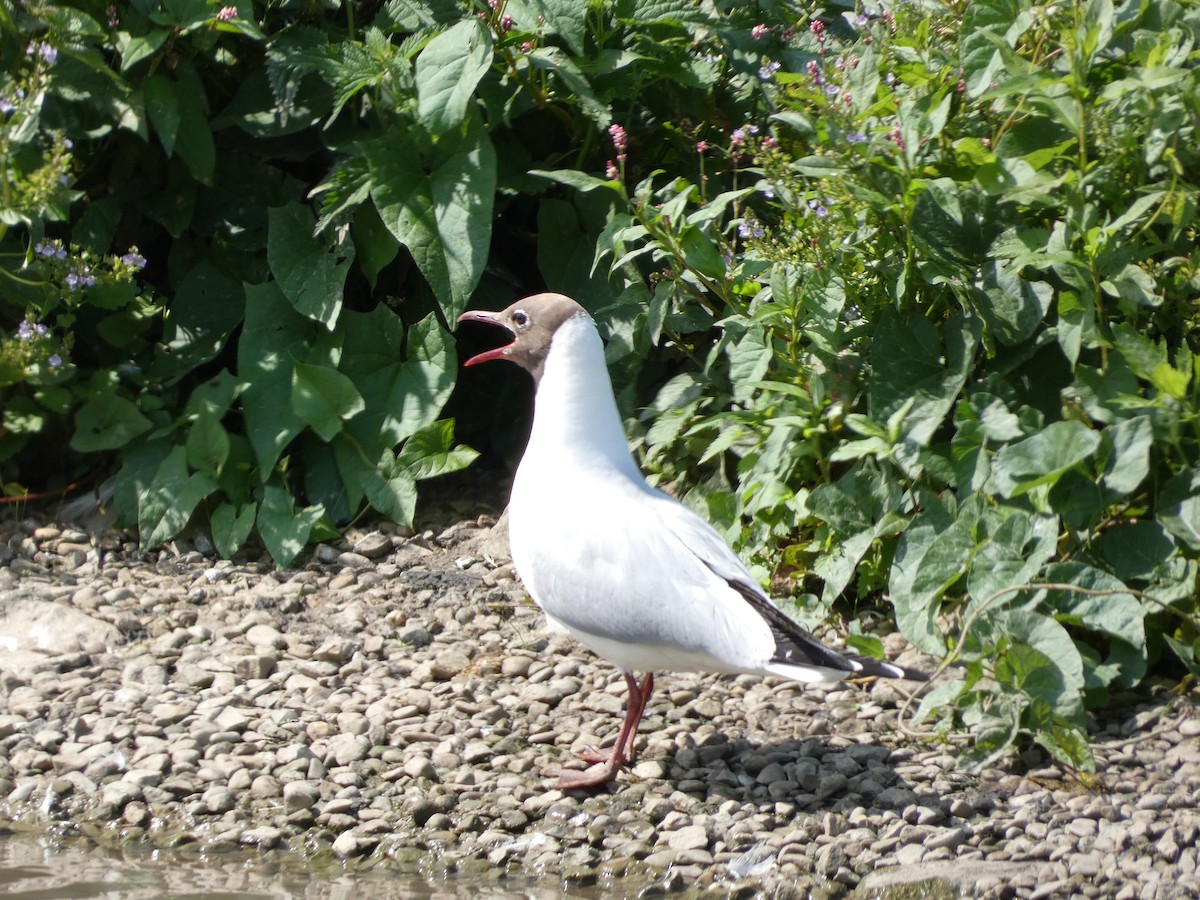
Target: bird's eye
(520,318)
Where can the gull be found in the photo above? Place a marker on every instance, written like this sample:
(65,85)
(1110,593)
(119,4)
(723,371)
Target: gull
(628,571)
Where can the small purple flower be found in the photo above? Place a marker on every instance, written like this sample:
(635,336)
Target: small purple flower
(25,330)
(737,137)
(750,228)
(55,361)
(861,21)
(769,192)
(753,129)
(831,90)
(767,72)
(40,329)
(135,259)
(506,23)
(818,208)
(41,248)
(6,106)
(855,137)
(72,281)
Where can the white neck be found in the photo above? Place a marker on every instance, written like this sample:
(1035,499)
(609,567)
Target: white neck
(575,411)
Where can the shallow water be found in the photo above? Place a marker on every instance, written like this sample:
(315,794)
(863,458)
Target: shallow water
(40,868)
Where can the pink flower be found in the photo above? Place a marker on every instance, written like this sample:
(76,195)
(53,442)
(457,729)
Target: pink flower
(758,32)
(619,138)
(611,172)
(701,146)
(227,13)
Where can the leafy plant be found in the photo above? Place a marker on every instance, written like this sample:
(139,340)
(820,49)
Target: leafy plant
(901,298)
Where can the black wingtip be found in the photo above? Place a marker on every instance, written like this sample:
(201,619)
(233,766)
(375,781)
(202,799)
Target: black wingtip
(865,665)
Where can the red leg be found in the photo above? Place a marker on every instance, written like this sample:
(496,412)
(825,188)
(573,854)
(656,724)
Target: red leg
(602,774)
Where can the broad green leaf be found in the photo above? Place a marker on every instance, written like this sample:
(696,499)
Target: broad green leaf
(1126,447)
(1179,507)
(309,275)
(430,452)
(167,503)
(913,360)
(561,17)
(1043,458)
(1119,615)
(231,525)
(404,378)
(930,557)
(1017,544)
(437,201)
(208,305)
(390,490)
(448,70)
(565,253)
(162,106)
(284,530)
(194,141)
(273,336)
(207,445)
(700,253)
(324,397)
(106,422)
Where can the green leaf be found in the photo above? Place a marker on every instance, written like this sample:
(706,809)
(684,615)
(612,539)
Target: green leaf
(930,557)
(207,445)
(162,106)
(323,397)
(700,253)
(274,334)
(206,308)
(391,490)
(912,360)
(1118,614)
(167,504)
(1043,458)
(308,273)
(1179,507)
(581,181)
(430,452)
(437,201)
(448,70)
(285,531)
(194,142)
(1016,547)
(561,17)
(401,394)
(1126,447)
(231,525)
(106,422)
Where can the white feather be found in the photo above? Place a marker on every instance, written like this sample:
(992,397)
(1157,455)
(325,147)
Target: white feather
(628,571)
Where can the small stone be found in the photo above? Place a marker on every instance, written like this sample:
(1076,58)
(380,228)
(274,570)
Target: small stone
(373,545)
(691,837)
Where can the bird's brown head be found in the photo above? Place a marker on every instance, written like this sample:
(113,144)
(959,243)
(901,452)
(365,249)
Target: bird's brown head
(532,322)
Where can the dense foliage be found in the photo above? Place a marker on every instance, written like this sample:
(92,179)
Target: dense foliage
(902,296)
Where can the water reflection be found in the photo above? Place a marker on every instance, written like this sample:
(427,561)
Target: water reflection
(40,868)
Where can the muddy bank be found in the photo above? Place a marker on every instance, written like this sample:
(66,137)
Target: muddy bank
(397,703)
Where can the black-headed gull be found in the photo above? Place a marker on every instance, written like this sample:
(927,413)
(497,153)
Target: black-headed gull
(629,572)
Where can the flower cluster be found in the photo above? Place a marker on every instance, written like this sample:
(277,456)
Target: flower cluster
(50,250)
(47,52)
(227,13)
(620,141)
(31,339)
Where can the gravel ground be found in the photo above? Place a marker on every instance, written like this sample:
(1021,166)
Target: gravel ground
(398,703)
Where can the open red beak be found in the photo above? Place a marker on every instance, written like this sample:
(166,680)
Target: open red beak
(479,315)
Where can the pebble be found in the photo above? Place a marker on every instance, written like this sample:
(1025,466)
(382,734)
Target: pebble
(399,693)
